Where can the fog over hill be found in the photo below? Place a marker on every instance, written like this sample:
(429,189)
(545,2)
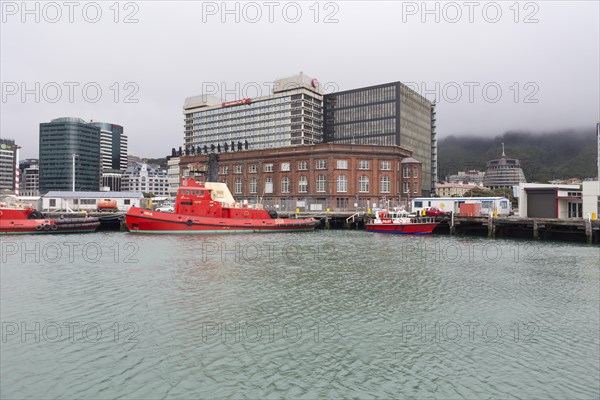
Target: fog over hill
(543,155)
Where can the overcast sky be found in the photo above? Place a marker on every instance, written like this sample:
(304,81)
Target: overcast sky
(492,66)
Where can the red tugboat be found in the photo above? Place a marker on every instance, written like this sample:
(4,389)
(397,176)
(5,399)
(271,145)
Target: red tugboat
(210,208)
(401,223)
(21,218)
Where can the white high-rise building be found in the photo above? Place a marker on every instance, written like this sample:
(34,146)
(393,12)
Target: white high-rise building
(113,147)
(29,170)
(8,165)
(291,115)
(173,176)
(141,177)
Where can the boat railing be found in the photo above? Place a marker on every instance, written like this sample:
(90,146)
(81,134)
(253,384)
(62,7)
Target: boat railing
(353,217)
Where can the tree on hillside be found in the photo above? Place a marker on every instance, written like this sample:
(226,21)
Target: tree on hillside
(543,156)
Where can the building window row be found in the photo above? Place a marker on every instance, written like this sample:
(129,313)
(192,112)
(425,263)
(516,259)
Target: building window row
(341,185)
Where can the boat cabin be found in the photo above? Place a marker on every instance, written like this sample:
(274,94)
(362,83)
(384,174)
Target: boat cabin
(211,200)
(400,217)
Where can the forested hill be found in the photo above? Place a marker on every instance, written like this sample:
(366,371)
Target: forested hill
(544,156)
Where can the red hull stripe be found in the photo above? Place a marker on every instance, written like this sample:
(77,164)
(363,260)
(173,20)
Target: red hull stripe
(397,228)
(147,224)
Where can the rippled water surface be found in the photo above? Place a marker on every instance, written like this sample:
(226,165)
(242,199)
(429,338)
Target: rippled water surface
(327,314)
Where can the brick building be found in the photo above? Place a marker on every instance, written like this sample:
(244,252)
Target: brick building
(316,177)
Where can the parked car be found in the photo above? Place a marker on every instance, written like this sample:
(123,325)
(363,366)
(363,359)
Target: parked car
(168,209)
(435,212)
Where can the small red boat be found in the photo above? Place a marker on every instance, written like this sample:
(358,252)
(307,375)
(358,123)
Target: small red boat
(24,219)
(210,208)
(401,223)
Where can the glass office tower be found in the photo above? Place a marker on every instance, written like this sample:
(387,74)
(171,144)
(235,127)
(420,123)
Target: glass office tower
(390,114)
(59,140)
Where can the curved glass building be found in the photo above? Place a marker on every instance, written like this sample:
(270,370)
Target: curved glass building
(59,140)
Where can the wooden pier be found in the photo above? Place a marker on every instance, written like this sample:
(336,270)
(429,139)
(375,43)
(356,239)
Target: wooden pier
(574,229)
(334,219)
(511,227)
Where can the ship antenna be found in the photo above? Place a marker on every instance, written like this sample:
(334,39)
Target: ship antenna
(503,155)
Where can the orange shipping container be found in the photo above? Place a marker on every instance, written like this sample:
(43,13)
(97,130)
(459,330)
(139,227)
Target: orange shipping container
(470,210)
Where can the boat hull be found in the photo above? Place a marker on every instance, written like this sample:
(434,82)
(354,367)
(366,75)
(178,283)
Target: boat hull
(44,226)
(403,229)
(144,221)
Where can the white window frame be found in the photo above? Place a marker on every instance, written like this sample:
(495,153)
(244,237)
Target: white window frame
(321,184)
(363,184)
(302,184)
(268,185)
(342,184)
(285,184)
(385,181)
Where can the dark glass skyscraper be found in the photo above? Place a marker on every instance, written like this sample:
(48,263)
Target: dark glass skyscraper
(362,116)
(391,115)
(59,140)
(113,147)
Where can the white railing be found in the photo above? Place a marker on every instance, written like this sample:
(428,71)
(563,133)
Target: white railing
(354,216)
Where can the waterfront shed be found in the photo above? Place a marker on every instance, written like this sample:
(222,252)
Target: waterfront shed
(591,199)
(540,200)
(88,201)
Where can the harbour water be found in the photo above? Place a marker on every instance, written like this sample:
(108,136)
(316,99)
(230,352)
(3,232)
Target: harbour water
(327,314)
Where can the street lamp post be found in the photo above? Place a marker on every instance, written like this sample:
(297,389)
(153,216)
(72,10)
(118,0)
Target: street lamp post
(73,178)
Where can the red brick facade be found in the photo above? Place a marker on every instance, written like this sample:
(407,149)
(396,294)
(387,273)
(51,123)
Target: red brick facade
(321,176)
